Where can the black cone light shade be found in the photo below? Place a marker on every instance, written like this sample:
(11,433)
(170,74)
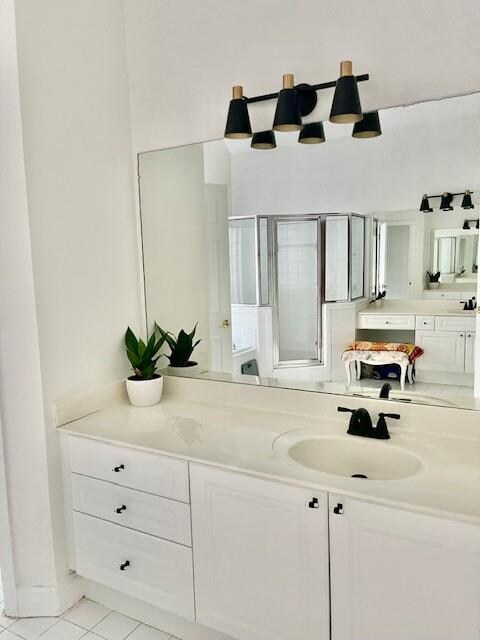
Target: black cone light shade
(466,225)
(446,202)
(238,120)
(287,113)
(467,201)
(263,140)
(312,133)
(369,127)
(425,206)
(346,101)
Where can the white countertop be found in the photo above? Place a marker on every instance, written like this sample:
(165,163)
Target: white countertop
(242,439)
(418,307)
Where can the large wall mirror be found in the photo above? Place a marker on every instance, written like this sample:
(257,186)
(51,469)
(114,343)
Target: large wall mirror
(312,267)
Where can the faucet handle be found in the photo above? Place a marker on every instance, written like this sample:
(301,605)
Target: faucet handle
(345,410)
(381,430)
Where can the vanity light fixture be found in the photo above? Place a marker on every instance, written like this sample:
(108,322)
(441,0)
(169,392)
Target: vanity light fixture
(369,127)
(346,101)
(467,201)
(264,140)
(287,113)
(468,224)
(238,121)
(297,101)
(312,133)
(446,201)
(425,205)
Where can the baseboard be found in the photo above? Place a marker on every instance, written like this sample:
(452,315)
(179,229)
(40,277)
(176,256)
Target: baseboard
(150,615)
(51,600)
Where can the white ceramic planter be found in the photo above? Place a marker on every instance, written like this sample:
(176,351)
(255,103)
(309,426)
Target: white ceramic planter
(145,393)
(433,285)
(186,372)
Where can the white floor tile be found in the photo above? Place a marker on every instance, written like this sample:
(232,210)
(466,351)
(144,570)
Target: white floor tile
(148,633)
(6,635)
(6,622)
(91,636)
(86,614)
(32,628)
(115,626)
(63,630)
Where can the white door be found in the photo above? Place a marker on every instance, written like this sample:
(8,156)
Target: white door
(470,352)
(444,350)
(397,575)
(260,557)
(216,197)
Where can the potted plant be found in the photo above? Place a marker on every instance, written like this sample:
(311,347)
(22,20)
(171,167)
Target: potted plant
(433,280)
(145,387)
(181,349)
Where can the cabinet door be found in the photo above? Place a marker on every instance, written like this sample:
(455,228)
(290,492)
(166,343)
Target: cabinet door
(397,575)
(260,557)
(444,350)
(469,352)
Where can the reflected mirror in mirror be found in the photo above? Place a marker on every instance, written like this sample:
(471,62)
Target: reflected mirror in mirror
(307,266)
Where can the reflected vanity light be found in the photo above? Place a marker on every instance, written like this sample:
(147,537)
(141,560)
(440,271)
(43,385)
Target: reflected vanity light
(446,201)
(296,101)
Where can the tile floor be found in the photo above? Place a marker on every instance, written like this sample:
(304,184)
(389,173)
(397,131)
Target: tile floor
(87,620)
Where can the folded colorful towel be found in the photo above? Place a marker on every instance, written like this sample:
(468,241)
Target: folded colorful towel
(413,352)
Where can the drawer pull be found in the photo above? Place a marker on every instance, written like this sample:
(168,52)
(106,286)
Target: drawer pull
(120,509)
(119,468)
(124,565)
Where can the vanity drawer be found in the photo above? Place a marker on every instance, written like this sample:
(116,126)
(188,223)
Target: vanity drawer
(455,323)
(442,295)
(158,571)
(150,472)
(425,323)
(142,511)
(385,321)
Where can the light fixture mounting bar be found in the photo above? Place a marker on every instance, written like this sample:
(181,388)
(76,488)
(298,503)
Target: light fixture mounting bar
(460,193)
(303,88)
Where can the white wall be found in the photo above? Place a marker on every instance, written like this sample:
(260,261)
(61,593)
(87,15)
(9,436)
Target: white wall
(21,402)
(79,180)
(184,56)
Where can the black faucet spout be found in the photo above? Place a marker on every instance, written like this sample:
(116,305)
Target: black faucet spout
(385,390)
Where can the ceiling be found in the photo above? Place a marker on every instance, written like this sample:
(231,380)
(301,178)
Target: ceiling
(183,56)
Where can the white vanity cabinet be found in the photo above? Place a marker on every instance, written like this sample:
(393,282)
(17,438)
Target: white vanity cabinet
(397,575)
(129,524)
(451,351)
(260,557)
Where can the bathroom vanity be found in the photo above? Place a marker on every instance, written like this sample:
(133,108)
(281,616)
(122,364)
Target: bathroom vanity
(445,333)
(216,513)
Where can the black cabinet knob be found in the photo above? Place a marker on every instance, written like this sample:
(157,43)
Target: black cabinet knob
(120,509)
(338,509)
(124,565)
(313,504)
(119,468)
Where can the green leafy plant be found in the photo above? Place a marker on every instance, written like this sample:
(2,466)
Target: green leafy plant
(181,346)
(141,355)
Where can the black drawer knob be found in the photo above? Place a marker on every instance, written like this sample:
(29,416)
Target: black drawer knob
(124,565)
(120,509)
(119,468)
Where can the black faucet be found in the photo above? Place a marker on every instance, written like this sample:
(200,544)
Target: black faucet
(385,390)
(361,423)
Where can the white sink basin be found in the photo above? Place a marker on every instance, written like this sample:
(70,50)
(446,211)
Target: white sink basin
(350,455)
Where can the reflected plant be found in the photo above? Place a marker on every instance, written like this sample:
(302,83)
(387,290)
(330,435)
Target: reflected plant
(181,346)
